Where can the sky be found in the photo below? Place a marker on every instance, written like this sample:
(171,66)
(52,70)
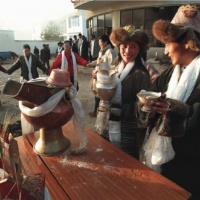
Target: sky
(22,14)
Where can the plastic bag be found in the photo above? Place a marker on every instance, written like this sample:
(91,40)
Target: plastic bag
(158,149)
(163,151)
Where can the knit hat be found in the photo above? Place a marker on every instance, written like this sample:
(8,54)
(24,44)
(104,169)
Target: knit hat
(184,25)
(127,33)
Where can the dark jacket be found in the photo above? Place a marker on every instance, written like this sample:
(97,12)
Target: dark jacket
(36,51)
(95,50)
(45,54)
(84,49)
(184,169)
(138,79)
(20,63)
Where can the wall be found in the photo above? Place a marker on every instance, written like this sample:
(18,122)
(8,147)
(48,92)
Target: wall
(8,43)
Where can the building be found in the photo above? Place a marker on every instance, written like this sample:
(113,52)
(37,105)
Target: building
(75,24)
(104,16)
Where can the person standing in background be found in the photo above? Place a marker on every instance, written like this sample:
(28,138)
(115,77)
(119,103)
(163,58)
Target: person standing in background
(79,43)
(75,40)
(28,63)
(106,54)
(94,48)
(36,52)
(74,47)
(45,56)
(84,48)
(60,48)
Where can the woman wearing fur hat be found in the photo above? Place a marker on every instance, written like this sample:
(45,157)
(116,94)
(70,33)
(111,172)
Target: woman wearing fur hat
(180,110)
(132,76)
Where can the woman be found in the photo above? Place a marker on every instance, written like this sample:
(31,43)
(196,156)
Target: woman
(178,114)
(132,77)
(106,54)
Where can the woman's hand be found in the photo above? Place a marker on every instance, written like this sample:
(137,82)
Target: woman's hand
(160,105)
(89,66)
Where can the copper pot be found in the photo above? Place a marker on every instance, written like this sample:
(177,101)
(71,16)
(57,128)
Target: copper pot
(51,140)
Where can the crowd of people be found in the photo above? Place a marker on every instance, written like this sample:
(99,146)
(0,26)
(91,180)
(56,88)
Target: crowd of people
(174,115)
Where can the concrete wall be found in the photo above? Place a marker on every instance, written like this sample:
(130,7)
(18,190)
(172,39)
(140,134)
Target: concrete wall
(8,43)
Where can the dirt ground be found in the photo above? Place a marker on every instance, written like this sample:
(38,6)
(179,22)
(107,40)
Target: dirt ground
(85,95)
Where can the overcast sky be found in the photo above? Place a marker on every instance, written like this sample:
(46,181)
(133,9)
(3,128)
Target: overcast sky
(21,14)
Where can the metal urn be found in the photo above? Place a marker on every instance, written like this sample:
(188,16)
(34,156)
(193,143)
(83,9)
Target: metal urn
(40,94)
(105,88)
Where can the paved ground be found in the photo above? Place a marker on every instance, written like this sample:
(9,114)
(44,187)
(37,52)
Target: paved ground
(85,95)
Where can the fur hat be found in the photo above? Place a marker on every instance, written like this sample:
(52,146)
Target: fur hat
(124,34)
(185,27)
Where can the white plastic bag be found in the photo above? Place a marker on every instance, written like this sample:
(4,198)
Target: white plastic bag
(163,150)
(157,150)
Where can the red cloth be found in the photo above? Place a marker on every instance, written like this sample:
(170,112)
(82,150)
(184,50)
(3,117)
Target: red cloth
(57,63)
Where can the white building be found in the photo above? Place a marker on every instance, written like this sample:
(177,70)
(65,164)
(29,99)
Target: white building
(75,24)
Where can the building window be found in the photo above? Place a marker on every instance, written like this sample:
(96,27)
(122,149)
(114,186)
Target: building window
(100,20)
(99,25)
(108,20)
(144,18)
(138,18)
(126,17)
(74,22)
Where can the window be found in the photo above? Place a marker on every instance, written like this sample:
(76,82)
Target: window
(94,21)
(74,22)
(99,25)
(126,17)
(108,20)
(151,14)
(100,20)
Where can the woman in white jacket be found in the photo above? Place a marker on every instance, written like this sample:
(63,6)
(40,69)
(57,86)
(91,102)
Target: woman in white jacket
(106,54)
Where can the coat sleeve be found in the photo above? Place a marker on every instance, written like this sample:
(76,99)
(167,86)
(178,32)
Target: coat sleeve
(141,81)
(161,82)
(111,56)
(56,64)
(80,60)
(93,63)
(41,66)
(14,67)
(2,69)
(152,72)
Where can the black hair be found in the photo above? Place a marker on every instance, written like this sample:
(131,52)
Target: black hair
(92,35)
(26,46)
(105,38)
(68,41)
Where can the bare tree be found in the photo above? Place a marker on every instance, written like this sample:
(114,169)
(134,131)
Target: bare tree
(51,32)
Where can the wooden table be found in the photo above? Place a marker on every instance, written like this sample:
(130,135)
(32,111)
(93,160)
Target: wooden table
(103,172)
